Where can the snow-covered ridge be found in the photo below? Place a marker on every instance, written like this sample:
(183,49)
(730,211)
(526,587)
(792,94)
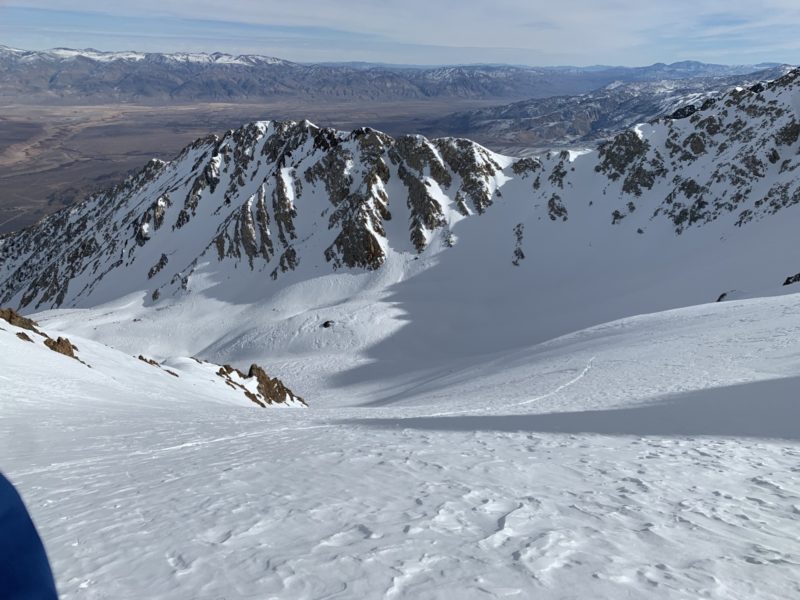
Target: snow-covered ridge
(562,121)
(270,195)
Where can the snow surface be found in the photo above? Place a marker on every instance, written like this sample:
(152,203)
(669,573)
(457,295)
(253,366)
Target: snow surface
(652,457)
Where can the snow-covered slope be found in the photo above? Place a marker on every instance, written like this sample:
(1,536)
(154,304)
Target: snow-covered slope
(93,376)
(653,457)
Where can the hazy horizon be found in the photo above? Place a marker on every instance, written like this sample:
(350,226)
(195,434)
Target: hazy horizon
(417,33)
(598,66)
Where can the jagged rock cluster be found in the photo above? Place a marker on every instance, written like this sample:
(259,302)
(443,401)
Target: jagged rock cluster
(268,390)
(276,197)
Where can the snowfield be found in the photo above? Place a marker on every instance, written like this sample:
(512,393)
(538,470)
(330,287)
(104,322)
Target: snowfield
(652,457)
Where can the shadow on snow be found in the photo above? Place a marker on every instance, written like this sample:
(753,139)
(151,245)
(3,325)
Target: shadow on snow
(765,409)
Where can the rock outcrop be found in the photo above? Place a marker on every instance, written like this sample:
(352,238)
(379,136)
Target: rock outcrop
(259,387)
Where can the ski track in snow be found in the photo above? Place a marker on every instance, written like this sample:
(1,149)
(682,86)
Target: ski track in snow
(550,394)
(507,493)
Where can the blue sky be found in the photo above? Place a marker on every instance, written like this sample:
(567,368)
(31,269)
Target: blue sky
(578,32)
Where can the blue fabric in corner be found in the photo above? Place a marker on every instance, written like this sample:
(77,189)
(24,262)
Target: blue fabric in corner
(24,569)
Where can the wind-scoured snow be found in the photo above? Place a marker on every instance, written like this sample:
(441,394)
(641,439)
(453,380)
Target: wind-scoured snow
(650,457)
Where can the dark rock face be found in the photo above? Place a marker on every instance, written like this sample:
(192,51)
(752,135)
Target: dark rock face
(519,234)
(792,280)
(272,388)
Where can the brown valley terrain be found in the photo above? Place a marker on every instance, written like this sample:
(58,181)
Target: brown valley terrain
(51,155)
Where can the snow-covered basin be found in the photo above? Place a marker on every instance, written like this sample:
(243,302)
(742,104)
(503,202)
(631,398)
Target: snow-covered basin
(653,457)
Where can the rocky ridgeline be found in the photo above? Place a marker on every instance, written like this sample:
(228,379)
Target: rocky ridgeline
(248,198)
(272,197)
(737,154)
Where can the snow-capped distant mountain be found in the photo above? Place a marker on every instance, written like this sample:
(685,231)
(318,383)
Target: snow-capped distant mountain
(69,54)
(65,74)
(585,119)
(261,237)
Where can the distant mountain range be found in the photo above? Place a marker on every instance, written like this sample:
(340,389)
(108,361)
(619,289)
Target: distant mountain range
(543,123)
(66,75)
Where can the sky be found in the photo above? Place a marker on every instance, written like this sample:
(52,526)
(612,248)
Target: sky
(532,32)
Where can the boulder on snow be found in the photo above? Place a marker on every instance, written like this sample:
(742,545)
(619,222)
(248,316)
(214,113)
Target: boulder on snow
(62,345)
